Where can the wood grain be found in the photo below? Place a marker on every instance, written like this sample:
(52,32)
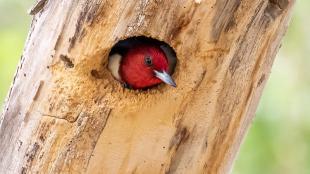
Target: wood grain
(61,118)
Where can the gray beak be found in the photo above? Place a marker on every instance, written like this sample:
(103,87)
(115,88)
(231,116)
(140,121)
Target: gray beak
(165,77)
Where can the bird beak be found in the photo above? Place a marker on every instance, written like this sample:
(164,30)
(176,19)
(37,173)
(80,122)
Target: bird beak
(165,77)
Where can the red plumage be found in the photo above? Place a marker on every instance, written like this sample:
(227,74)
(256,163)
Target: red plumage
(136,72)
(141,62)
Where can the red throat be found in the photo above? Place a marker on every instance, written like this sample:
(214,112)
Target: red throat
(136,73)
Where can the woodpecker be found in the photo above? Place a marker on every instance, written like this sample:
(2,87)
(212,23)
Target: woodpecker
(140,65)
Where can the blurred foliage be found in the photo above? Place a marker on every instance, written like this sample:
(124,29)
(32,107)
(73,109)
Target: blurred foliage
(14,24)
(279,139)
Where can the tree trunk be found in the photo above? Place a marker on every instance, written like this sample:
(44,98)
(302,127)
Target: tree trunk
(66,114)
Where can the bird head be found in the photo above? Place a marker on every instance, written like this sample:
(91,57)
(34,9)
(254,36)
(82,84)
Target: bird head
(144,66)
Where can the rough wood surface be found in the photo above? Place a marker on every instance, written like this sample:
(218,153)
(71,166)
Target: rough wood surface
(66,114)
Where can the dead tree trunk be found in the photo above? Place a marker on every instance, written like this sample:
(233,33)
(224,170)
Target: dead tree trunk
(66,114)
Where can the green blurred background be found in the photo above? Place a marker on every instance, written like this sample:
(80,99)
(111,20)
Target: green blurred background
(279,139)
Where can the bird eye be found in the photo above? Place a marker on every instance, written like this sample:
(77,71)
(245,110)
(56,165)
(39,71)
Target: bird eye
(148,61)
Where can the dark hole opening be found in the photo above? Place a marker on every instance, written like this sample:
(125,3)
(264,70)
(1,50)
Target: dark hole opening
(121,48)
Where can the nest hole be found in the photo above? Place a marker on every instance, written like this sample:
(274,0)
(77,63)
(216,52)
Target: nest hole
(122,47)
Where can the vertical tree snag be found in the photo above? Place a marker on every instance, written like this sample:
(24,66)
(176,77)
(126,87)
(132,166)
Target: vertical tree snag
(68,115)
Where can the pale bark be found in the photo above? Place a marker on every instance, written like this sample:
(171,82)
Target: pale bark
(66,114)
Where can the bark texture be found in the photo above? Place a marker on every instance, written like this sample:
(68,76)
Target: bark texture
(66,114)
